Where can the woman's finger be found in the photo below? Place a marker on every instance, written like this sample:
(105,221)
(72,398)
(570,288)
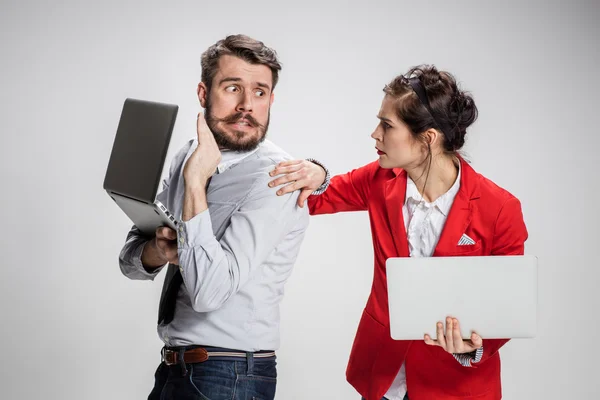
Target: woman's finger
(286,169)
(476,340)
(294,176)
(289,188)
(440,335)
(303,197)
(289,162)
(449,338)
(430,341)
(457,339)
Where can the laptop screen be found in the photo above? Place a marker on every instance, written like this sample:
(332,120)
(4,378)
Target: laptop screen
(140,148)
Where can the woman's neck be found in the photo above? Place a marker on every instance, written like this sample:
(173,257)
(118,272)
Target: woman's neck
(441,177)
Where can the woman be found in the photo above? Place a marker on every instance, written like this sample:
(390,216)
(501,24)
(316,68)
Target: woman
(423,200)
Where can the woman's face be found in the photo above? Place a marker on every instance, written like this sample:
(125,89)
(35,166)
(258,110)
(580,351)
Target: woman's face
(396,146)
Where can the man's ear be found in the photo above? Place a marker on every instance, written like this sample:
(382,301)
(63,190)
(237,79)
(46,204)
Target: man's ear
(202,93)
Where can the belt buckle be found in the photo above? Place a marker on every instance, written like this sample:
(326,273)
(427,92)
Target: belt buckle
(163,356)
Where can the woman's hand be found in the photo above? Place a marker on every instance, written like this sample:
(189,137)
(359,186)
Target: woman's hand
(303,175)
(452,341)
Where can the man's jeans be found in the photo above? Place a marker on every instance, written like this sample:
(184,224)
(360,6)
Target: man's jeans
(218,378)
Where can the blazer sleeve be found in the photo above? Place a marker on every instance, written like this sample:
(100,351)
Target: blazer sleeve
(346,192)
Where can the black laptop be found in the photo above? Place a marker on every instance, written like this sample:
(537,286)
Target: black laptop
(136,162)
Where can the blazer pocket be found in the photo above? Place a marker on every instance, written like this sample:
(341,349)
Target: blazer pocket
(464,250)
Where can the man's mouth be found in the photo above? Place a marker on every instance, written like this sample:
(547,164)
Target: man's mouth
(243,123)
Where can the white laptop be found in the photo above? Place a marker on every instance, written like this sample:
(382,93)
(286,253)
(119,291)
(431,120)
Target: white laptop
(495,296)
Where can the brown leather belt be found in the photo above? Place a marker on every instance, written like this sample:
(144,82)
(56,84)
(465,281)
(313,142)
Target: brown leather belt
(200,354)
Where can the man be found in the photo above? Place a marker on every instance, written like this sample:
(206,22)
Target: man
(236,243)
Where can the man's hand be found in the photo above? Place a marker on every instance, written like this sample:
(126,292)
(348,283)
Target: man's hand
(198,169)
(452,340)
(203,162)
(304,175)
(161,249)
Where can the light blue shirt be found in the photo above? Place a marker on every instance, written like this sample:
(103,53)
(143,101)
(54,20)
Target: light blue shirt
(234,257)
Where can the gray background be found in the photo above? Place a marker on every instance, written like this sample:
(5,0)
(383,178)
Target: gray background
(74,328)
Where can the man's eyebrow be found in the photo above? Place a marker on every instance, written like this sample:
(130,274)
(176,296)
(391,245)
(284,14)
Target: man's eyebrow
(263,85)
(235,79)
(229,79)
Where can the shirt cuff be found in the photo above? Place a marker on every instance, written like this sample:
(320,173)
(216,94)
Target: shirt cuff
(467,359)
(197,232)
(136,258)
(321,189)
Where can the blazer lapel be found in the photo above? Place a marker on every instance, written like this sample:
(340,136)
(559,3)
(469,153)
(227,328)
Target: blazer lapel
(461,211)
(395,192)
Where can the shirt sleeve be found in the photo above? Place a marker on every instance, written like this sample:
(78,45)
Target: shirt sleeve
(214,270)
(468,359)
(130,257)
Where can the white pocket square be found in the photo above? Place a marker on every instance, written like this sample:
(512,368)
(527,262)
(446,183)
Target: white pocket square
(465,240)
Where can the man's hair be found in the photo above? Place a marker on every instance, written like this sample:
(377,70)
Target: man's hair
(244,47)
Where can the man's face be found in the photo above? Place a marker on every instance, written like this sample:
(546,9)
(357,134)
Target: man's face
(238,104)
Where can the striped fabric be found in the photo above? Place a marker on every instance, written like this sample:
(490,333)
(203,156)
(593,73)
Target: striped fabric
(469,358)
(325,184)
(465,240)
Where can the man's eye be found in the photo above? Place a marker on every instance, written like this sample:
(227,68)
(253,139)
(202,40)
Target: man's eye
(231,89)
(260,93)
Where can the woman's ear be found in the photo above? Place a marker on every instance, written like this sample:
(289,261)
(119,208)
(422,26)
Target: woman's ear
(432,137)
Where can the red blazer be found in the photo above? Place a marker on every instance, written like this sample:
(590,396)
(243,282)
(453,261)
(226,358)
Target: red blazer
(485,212)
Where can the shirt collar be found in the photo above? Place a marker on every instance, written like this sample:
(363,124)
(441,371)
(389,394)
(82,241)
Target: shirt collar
(230,158)
(443,203)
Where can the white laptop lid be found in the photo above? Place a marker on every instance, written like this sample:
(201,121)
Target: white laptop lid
(496,296)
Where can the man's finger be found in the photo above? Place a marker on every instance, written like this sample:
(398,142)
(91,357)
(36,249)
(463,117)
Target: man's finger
(201,126)
(169,253)
(170,234)
(161,246)
(166,233)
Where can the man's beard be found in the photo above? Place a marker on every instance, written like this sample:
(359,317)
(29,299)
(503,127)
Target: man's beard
(238,142)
